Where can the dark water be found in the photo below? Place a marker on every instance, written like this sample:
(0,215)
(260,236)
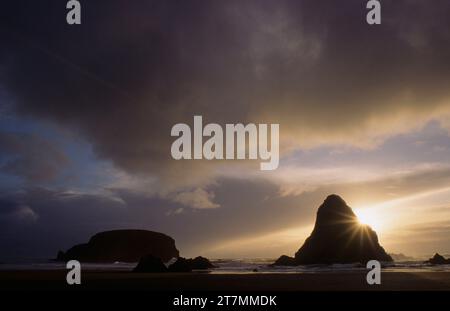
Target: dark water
(233,266)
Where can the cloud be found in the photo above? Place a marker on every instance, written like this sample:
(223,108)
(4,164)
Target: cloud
(31,157)
(25,213)
(132,70)
(16,212)
(199,198)
(295,180)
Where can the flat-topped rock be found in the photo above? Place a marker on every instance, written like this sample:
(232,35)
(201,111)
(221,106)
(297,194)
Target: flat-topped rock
(124,246)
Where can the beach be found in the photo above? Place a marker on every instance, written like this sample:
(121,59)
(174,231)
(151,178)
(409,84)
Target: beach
(122,280)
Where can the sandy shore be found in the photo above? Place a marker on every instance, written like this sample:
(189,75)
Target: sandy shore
(391,281)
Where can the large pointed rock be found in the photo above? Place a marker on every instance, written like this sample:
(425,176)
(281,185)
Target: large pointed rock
(338,237)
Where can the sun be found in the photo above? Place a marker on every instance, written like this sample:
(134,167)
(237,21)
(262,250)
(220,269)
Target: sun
(371,217)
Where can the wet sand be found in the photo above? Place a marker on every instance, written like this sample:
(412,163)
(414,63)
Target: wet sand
(345,281)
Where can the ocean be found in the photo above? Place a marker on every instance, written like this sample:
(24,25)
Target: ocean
(232,266)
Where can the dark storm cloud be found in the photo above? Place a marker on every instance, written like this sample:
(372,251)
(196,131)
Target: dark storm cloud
(30,157)
(134,69)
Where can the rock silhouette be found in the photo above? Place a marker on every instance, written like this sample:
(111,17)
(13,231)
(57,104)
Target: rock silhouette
(200,263)
(150,264)
(181,265)
(337,237)
(285,261)
(122,245)
(438,260)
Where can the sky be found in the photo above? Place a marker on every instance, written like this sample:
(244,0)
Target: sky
(86,113)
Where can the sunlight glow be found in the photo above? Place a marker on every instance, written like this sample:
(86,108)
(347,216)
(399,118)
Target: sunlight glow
(371,217)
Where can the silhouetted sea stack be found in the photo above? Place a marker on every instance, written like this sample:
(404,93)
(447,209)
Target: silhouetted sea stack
(337,237)
(200,263)
(181,265)
(122,245)
(438,260)
(285,260)
(150,264)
